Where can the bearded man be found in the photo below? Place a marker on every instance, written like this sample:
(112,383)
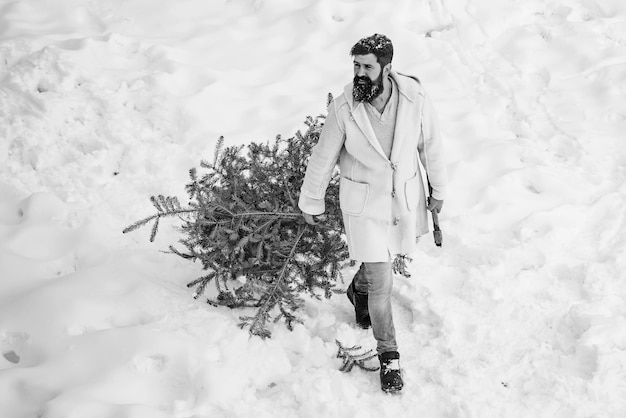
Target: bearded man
(380,129)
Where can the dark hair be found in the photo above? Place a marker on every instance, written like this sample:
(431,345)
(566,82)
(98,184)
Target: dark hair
(376,44)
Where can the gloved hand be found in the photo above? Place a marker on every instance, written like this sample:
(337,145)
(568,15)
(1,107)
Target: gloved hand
(313,219)
(434,205)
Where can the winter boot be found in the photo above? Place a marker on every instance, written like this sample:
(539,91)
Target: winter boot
(359,300)
(390,373)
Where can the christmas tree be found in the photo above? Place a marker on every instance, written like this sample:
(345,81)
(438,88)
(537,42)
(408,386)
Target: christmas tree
(243,224)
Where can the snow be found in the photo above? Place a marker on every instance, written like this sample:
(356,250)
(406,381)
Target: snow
(522,312)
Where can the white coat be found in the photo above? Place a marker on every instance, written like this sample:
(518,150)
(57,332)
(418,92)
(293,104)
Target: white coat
(383,200)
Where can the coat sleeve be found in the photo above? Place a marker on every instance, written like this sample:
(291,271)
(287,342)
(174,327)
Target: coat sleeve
(321,164)
(431,151)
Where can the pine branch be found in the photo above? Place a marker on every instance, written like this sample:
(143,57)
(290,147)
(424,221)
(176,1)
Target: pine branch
(273,296)
(400,265)
(156,218)
(201,284)
(357,359)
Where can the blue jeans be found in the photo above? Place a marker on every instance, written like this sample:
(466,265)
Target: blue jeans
(376,280)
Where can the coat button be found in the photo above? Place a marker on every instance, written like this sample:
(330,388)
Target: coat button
(393,166)
(393,193)
(396,220)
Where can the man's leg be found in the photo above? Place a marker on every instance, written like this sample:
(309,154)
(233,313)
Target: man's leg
(357,295)
(380,283)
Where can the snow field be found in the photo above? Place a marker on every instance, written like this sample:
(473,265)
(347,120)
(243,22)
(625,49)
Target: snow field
(521,313)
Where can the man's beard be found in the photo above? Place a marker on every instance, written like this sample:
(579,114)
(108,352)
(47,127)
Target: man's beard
(366,90)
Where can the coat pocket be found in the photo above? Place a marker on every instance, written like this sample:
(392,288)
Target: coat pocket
(412,192)
(353,196)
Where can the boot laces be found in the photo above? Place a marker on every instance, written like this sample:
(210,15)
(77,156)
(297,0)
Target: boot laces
(391,365)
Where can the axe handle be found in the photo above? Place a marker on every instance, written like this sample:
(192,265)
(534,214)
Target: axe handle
(436,221)
(437,235)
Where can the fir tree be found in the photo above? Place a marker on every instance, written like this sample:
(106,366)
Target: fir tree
(243,224)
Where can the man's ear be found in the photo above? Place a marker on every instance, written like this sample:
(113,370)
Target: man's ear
(387,69)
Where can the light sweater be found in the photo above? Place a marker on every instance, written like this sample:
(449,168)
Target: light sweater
(384,124)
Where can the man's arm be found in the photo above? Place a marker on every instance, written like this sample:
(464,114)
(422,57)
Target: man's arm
(431,152)
(320,166)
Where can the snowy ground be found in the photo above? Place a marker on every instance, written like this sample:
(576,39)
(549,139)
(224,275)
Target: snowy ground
(522,313)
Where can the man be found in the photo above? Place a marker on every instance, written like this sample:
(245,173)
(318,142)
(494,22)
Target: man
(378,129)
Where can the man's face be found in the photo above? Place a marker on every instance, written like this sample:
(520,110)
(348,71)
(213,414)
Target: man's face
(368,78)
